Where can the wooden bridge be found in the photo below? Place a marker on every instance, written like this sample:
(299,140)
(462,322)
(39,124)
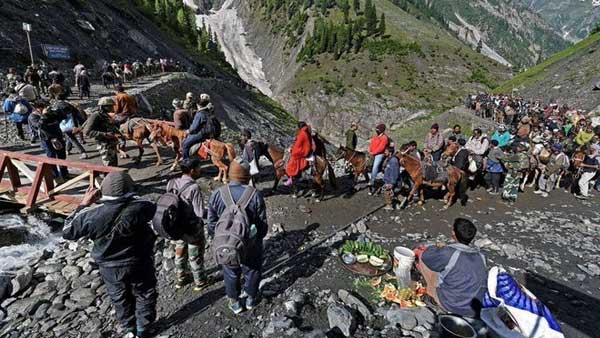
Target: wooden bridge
(29,182)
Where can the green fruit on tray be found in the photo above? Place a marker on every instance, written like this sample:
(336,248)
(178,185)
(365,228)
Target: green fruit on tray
(362,258)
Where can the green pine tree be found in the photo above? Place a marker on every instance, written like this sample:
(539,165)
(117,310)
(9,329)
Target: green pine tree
(345,7)
(371,18)
(381,28)
(356,6)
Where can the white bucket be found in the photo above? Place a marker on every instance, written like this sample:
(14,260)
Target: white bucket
(403,262)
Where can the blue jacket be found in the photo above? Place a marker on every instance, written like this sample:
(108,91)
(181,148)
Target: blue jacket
(503,139)
(256,210)
(392,171)
(9,108)
(198,122)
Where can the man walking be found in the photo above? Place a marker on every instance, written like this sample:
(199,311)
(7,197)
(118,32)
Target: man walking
(101,127)
(123,249)
(351,138)
(252,203)
(589,168)
(51,138)
(190,249)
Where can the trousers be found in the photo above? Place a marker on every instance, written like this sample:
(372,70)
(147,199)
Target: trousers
(584,182)
(252,272)
(377,161)
(189,142)
(132,290)
(61,154)
(189,257)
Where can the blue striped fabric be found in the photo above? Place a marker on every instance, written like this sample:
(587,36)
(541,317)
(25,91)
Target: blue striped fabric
(510,291)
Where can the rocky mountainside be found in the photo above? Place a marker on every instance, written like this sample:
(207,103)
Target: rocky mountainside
(292,52)
(566,77)
(573,19)
(507,31)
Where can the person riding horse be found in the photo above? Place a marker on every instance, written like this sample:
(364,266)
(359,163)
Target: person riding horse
(301,149)
(204,125)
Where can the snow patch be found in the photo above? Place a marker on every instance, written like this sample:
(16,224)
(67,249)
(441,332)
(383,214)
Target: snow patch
(231,34)
(471,35)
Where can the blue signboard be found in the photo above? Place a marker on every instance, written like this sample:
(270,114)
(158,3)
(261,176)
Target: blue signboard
(56,52)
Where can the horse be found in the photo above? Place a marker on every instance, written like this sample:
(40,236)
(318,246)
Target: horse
(217,151)
(164,133)
(358,161)
(108,78)
(140,131)
(455,184)
(276,157)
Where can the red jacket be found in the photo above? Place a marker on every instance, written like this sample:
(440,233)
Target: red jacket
(301,149)
(378,144)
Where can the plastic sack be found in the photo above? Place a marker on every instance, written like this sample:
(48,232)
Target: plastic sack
(511,310)
(67,125)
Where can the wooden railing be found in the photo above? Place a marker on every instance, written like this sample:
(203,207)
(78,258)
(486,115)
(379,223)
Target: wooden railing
(42,180)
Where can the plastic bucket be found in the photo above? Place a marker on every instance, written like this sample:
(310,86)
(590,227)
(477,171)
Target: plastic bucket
(403,262)
(455,327)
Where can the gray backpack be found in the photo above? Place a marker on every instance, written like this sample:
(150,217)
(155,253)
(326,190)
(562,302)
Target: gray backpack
(232,232)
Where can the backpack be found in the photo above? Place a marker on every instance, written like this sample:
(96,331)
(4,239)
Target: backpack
(171,213)
(212,128)
(21,109)
(232,232)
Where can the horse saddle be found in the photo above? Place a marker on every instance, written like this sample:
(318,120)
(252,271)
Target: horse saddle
(201,149)
(130,125)
(435,172)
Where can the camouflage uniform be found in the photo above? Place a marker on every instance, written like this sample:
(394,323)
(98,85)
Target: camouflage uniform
(515,164)
(99,126)
(189,257)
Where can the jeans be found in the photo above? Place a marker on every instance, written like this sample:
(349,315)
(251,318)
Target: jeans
(132,290)
(252,272)
(61,154)
(189,142)
(378,160)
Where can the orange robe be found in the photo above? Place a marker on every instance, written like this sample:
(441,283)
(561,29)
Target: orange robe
(301,149)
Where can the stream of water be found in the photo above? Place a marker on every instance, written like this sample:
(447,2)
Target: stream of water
(24,238)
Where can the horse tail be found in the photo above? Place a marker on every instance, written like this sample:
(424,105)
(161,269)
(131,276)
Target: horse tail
(461,188)
(331,173)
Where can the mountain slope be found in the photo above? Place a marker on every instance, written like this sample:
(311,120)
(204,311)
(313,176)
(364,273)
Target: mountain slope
(415,66)
(507,28)
(567,77)
(573,19)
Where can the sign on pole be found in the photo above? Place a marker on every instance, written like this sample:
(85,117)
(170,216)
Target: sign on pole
(26,27)
(56,52)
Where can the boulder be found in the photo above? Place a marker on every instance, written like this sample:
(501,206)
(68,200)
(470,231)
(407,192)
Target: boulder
(21,280)
(48,269)
(355,303)
(340,317)
(83,297)
(71,272)
(404,318)
(278,324)
(25,306)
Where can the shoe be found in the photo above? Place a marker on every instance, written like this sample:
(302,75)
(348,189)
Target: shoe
(288,183)
(544,194)
(493,192)
(371,190)
(235,307)
(130,335)
(582,197)
(539,192)
(201,285)
(83,156)
(489,189)
(250,303)
(388,207)
(181,282)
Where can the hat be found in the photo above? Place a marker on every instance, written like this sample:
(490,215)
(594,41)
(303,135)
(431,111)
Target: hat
(501,127)
(117,184)
(557,146)
(380,128)
(189,95)
(106,101)
(239,170)
(435,126)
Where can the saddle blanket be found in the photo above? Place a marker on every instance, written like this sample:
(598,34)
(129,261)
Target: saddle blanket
(200,149)
(434,173)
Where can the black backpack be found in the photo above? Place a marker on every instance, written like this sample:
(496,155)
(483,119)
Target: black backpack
(212,128)
(172,213)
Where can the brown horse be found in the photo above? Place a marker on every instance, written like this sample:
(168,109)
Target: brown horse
(456,183)
(276,156)
(217,151)
(140,130)
(166,134)
(357,159)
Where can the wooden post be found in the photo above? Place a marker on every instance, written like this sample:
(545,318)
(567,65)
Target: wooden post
(35,185)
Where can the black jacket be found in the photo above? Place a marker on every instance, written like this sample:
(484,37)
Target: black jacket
(461,159)
(129,241)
